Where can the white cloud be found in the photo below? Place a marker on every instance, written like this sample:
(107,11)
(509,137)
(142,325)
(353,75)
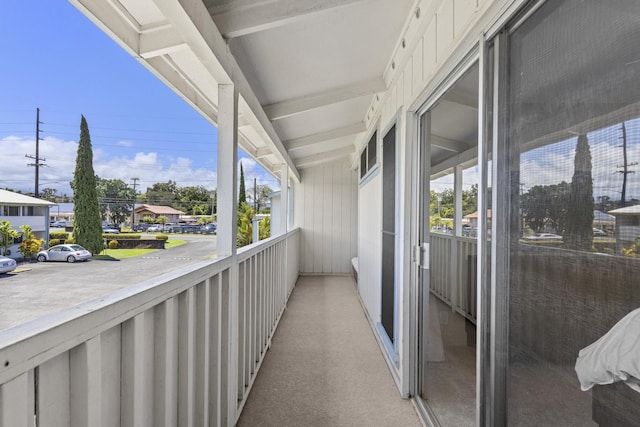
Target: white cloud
(252,170)
(60,163)
(125,143)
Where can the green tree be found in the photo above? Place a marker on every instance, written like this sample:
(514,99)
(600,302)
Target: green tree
(162,220)
(579,227)
(245,225)
(148,219)
(7,236)
(87,229)
(163,194)
(29,246)
(546,204)
(262,192)
(264,231)
(194,200)
(470,200)
(116,199)
(242,194)
(48,194)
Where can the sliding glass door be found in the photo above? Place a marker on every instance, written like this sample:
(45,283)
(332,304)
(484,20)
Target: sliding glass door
(566,217)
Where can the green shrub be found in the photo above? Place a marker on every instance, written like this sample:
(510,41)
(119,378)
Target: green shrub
(53,242)
(113,244)
(123,236)
(69,241)
(162,237)
(60,235)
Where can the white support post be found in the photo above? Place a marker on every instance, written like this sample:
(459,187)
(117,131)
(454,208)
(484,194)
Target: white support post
(227,226)
(284,197)
(227,169)
(457,231)
(457,200)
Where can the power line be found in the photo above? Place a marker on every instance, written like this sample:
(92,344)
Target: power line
(37,157)
(625,166)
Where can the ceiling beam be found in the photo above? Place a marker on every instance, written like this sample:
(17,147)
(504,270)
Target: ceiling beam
(328,156)
(319,138)
(239,18)
(463,97)
(197,27)
(261,153)
(161,42)
(448,144)
(295,106)
(316,159)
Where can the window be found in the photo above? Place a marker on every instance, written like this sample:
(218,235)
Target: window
(369,156)
(11,211)
(570,131)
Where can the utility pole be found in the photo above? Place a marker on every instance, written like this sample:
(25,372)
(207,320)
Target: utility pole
(133,207)
(625,166)
(255,199)
(37,157)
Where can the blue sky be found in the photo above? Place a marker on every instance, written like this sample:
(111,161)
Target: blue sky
(54,58)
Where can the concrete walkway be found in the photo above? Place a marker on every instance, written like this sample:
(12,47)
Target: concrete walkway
(324,367)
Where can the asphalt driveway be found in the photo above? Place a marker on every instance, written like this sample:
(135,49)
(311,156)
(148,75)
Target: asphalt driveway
(42,288)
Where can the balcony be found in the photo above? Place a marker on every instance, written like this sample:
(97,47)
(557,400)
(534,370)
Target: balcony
(186,350)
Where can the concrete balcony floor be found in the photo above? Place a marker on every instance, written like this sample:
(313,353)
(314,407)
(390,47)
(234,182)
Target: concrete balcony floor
(324,367)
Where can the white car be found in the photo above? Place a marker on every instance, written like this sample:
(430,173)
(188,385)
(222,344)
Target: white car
(154,228)
(544,236)
(7,265)
(66,252)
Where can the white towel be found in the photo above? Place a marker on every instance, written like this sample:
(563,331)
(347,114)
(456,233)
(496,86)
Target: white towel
(613,357)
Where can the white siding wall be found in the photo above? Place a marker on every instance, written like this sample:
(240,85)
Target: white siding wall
(370,245)
(326,211)
(37,223)
(432,40)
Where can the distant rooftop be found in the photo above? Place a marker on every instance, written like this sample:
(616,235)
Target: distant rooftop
(10,198)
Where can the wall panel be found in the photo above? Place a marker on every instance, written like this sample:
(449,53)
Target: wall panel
(444,31)
(463,11)
(418,64)
(328,222)
(429,57)
(370,245)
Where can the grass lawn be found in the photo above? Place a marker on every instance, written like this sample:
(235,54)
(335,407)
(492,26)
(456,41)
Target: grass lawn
(130,253)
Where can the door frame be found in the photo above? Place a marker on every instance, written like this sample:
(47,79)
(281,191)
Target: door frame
(418,165)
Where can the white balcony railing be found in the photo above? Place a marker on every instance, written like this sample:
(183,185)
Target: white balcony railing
(453,272)
(182,349)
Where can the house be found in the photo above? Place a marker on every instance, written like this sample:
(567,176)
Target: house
(356,106)
(20,210)
(62,212)
(172,215)
(627,223)
(604,221)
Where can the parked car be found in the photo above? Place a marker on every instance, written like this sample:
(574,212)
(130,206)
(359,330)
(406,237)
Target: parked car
(187,228)
(7,265)
(142,226)
(209,229)
(110,230)
(66,252)
(597,232)
(154,228)
(544,236)
(58,224)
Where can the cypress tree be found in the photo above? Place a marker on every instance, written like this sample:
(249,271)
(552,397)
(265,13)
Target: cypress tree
(242,195)
(87,230)
(579,226)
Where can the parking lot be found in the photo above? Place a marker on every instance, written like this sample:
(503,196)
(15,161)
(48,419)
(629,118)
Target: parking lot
(37,289)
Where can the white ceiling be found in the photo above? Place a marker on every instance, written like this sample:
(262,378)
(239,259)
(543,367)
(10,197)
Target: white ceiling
(307,70)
